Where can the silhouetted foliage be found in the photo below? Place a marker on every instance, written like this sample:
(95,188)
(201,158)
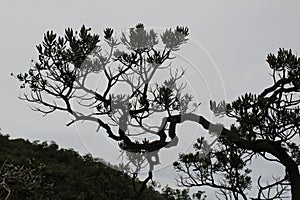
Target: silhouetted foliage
(65,65)
(172,194)
(266,125)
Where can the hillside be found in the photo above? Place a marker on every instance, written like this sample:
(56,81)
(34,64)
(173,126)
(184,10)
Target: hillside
(43,171)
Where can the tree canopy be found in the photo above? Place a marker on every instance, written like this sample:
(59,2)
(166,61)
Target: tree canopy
(266,125)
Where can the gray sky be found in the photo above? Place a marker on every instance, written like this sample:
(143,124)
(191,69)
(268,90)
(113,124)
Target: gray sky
(232,37)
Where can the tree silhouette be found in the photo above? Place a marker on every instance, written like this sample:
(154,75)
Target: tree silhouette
(266,124)
(67,65)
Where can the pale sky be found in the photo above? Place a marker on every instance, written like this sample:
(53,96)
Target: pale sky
(231,38)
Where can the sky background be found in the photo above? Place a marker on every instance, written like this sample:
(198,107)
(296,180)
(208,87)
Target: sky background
(229,42)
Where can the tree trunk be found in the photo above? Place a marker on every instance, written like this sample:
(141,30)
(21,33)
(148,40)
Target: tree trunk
(295,184)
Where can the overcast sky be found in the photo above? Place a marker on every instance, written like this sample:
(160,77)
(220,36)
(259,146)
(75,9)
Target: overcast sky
(228,47)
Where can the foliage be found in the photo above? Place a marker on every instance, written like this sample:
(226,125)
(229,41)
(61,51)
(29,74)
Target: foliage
(42,171)
(66,65)
(267,126)
(172,194)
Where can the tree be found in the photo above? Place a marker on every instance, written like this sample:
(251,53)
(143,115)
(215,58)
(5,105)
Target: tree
(265,124)
(60,78)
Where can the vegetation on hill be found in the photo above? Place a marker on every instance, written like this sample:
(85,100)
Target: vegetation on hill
(43,171)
